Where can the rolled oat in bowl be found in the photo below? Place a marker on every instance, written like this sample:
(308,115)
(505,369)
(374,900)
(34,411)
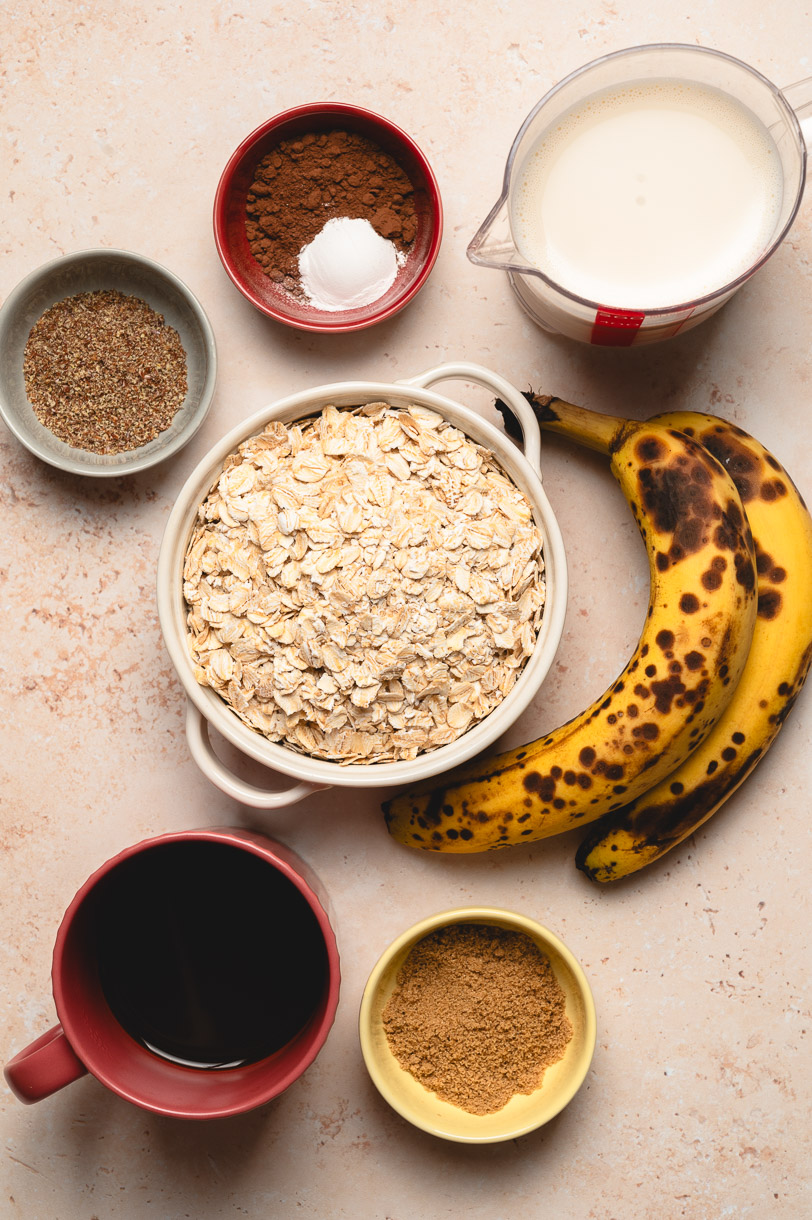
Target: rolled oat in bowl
(364,585)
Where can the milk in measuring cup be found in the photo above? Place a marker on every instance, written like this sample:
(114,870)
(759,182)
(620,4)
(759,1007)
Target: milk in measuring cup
(648,194)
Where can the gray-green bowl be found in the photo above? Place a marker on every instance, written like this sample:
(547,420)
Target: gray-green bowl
(88,271)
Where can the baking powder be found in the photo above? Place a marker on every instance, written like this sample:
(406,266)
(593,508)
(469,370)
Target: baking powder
(347,265)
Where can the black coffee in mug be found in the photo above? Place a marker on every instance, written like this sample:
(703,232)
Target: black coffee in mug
(207,955)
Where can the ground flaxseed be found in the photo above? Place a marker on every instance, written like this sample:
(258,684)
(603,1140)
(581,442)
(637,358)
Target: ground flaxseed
(104,372)
(477,1015)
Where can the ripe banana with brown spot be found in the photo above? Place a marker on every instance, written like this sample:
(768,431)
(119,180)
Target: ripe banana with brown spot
(672,691)
(776,668)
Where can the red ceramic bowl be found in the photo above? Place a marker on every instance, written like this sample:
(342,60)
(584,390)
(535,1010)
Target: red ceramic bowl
(230,205)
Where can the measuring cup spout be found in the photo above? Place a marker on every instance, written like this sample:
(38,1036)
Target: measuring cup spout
(492,245)
(799,97)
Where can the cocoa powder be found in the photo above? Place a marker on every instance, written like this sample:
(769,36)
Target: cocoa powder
(302,183)
(476,1015)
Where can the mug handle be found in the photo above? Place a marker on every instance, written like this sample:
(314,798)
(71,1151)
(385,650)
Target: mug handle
(238,789)
(43,1067)
(464,370)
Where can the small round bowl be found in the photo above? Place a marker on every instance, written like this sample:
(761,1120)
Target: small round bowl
(230,210)
(524,1112)
(134,275)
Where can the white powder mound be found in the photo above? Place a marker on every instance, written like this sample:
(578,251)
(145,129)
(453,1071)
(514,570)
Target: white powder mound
(347,265)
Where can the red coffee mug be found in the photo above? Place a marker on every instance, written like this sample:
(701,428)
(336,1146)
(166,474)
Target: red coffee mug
(89,1037)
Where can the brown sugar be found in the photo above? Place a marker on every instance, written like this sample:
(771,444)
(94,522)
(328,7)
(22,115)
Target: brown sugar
(477,1015)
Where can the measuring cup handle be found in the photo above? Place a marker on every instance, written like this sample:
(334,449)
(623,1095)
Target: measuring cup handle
(799,97)
(238,789)
(464,370)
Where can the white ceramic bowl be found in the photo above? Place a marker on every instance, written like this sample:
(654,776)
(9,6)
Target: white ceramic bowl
(134,275)
(206,708)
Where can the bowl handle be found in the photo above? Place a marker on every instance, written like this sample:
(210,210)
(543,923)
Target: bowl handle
(238,789)
(466,371)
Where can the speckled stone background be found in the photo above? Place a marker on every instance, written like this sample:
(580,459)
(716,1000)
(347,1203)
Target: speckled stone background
(117,120)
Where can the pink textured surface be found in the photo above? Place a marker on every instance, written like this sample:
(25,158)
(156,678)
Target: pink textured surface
(118,120)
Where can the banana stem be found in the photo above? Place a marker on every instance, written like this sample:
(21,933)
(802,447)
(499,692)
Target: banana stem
(590,428)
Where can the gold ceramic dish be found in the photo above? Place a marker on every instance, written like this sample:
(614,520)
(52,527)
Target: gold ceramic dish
(524,1112)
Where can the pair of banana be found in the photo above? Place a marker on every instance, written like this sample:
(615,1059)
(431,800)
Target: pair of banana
(724,651)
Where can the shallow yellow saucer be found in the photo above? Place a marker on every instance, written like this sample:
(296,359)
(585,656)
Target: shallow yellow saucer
(524,1112)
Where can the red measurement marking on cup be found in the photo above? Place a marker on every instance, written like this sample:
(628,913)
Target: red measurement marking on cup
(616,328)
(679,325)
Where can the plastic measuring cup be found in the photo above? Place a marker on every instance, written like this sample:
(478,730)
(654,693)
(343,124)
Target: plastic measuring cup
(785,113)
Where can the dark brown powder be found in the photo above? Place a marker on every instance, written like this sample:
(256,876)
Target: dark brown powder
(477,1015)
(303,183)
(104,372)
